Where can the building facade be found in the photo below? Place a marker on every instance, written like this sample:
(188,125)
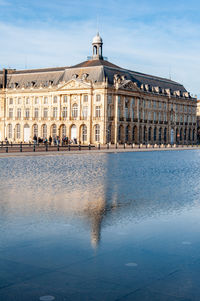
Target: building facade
(95,102)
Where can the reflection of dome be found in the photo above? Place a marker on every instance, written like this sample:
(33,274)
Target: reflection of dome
(97,39)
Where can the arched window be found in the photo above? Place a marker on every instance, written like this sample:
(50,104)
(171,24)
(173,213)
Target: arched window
(154,134)
(149,134)
(145,134)
(119,133)
(109,134)
(177,135)
(63,132)
(75,110)
(134,134)
(18,131)
(84,133)
(54,130)
(35,130)
(189,134)
(185,134)
(193,135)
(44,131)
(165,135)
(160,134)
(127,133)
(9,133)
(181,134)
(97,132)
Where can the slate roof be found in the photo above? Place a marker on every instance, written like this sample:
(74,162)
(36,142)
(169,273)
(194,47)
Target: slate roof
(97,71)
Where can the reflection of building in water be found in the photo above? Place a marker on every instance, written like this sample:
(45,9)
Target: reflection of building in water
(92,196)
(95,102)
(95,212)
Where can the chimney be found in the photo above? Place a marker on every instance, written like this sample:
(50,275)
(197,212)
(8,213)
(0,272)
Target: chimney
(5,71)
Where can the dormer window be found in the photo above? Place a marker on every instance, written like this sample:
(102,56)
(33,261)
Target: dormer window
(98,97)
(85,98)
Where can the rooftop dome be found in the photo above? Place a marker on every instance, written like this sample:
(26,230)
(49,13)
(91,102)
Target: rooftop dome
(97,39)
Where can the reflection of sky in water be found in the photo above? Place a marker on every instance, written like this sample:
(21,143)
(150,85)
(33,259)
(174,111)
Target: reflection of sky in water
(107,189)
(121,200)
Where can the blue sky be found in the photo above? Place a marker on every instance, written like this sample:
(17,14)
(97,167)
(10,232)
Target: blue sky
(150,36)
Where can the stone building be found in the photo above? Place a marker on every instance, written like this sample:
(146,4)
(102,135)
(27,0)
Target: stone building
(95,102)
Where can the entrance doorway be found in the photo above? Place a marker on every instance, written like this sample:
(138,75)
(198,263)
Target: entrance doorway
(27,133)
(74,133)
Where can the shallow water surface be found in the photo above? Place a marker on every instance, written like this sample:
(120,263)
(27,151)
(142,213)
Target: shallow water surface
(122,226)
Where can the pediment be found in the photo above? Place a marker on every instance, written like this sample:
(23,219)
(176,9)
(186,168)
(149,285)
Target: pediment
(74,84)
(129,85)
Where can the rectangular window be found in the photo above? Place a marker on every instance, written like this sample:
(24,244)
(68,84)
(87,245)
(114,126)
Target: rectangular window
(55,99)
(18,131)
(45,100)
(19,101)
(36,113)
(149,104)
(159,116)
(98,111)
(27,113)
(165,116)
(154,104)
(85,112)
(11,101)
(154,116)
(85,98)
(165,106)
(45,113)
(19,113)
(98,97)
(10,113)
(55,112)
(109,99)
(133,114)
(65,99)
(133,101)
(36,100)
(27,101)
(149,115)
(119,100)
(64,112)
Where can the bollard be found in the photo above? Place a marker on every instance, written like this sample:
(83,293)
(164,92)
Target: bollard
(68,147)
(107,145)
(79,147)
(89,146)
(159,145)
(124,145)
(99,146)
(21,147)
(132,145)
(58,148)
(146,145)
(6,149)
(116,146)
(152,145)
(139,145)
(11,144)
(46,147)
(34,147)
